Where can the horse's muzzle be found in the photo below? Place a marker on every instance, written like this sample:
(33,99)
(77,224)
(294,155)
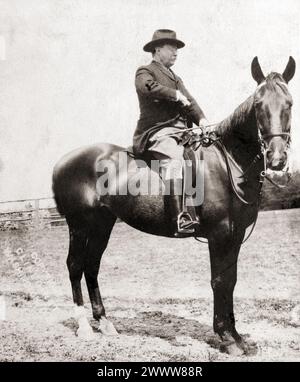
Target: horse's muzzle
(276,161)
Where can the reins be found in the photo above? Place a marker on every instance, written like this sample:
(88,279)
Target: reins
(244,201)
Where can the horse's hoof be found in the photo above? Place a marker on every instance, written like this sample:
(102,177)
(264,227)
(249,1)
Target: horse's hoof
(106,327)
(85,333)
(231,349)
(249,347)
(234,344)
(237,347)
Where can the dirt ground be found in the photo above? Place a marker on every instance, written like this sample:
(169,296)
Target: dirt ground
(156,292)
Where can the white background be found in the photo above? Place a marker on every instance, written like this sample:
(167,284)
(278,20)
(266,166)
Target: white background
(67,71)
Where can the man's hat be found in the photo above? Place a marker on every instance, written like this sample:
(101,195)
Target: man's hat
(163,36)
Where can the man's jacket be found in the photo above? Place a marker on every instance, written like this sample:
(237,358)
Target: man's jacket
(156,88)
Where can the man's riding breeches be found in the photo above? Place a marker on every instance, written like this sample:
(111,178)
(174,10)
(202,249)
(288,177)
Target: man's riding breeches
(165,148)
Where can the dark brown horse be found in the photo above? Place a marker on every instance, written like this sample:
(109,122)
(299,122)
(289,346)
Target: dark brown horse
(229,207)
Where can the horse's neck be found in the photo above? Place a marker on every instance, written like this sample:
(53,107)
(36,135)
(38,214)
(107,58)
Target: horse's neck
(241,139)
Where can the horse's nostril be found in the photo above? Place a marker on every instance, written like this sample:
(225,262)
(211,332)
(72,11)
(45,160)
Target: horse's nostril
(269,154)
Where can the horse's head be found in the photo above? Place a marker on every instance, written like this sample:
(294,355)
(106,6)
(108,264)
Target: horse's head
(273,104)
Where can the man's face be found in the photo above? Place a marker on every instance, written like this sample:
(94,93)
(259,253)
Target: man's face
(167,54)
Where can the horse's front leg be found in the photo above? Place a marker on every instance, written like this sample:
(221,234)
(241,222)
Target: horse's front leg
(224,250)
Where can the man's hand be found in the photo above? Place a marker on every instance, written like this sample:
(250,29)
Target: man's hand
(182,98)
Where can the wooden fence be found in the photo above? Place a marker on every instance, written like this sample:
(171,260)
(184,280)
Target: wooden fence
(29,211)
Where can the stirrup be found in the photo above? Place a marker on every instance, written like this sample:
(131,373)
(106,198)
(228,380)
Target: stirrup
(188,226)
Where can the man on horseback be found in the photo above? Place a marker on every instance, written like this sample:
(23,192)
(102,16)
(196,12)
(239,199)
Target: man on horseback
(166,107)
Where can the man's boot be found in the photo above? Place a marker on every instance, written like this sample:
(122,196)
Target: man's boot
(182,221)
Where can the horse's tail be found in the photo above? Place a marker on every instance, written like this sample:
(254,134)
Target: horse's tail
(59,206)
(58,203)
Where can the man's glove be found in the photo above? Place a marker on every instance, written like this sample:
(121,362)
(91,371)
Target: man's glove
(209,131)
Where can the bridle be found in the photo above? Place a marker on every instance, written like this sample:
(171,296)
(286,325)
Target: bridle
(266,136)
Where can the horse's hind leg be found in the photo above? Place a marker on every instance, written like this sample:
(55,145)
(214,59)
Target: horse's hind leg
(75,263)
(97,241)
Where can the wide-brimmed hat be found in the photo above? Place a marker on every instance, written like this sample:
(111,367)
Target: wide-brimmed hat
(163,36)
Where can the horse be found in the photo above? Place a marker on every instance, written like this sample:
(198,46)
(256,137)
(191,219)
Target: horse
(255,137)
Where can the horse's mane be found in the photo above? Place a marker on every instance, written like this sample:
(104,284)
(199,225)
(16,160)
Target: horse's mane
(238,117)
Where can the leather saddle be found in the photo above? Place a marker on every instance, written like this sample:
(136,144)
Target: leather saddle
(191,158)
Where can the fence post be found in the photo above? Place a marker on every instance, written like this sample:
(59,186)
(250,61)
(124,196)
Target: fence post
(36,212)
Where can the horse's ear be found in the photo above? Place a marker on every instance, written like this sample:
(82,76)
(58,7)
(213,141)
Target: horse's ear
(256,71)
(290,69)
